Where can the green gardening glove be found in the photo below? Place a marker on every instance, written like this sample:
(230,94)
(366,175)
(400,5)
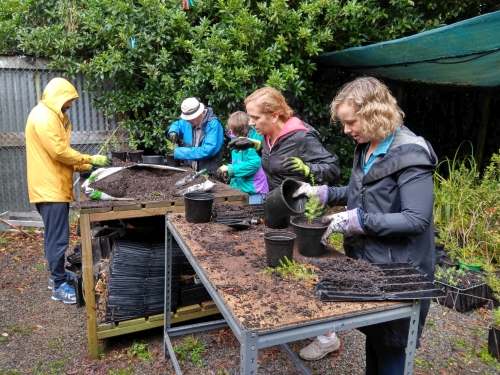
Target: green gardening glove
(100,160)
(293,164)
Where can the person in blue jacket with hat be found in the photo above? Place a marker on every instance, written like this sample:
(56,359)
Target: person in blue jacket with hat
(245,171)
(202,137)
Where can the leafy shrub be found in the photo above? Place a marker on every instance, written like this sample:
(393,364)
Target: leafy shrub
(142,58)
(466,209)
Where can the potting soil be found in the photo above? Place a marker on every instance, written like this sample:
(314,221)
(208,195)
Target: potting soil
(354,281)
(145,185)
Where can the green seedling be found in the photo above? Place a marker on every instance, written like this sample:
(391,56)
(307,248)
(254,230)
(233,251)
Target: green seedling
(3,239)
(495,316)
(156,194)
(132,142)
(169,146)
(40,267)
(313,207)
(192,349)
(22,330)
(126,371)
(290,269)
(115,144)
(140,351)
(53,367)
(461,343)
(488,358)
(430,324)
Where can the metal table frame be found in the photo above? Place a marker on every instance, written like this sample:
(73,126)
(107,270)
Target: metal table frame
(253,340)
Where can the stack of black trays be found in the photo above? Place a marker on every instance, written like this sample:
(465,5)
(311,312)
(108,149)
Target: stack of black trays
(137,279)
(191,293)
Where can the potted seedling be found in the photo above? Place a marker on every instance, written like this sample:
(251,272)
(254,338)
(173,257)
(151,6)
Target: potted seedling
(116,152)
(169,150)
(134,154)
(309,228)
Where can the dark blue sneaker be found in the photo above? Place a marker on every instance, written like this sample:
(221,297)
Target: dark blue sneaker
(64,293)
(69,276)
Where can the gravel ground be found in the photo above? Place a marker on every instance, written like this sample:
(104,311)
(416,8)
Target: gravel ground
(42,336)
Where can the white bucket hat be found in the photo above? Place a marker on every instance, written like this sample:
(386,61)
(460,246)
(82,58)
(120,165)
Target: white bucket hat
(191,108)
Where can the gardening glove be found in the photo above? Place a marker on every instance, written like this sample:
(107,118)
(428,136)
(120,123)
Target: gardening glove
(305,189)
(90,167)
(100,160)
(347,222)
(173,137)
(293,164)
(222,171)
(242,143)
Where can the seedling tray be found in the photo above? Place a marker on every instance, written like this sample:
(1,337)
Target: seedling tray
(407,284)
(465,299)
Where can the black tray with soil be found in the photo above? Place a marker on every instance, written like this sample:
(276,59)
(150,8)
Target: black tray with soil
(467,293)
(378,282)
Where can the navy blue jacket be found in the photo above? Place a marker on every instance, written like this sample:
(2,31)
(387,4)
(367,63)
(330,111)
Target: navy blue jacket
(396,197)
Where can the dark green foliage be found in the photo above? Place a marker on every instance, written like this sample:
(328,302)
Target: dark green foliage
(142,58)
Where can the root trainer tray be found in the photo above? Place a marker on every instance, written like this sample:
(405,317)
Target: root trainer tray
(397,282)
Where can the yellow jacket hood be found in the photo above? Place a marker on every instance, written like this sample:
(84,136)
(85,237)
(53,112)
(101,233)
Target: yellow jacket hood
(57,92)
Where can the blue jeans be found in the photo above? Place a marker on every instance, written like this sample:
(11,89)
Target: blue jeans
(384,360)
(55,218)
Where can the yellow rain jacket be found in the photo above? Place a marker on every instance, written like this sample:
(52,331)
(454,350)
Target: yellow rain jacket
(50,159)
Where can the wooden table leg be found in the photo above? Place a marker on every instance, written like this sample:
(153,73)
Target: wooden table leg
(88,286)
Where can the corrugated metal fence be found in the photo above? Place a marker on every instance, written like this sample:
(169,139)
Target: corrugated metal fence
(22,82)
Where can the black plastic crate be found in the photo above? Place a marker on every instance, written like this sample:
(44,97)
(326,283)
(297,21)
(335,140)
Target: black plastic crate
(465,299)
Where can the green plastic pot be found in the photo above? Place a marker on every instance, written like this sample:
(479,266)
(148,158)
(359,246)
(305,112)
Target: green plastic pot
(467,266)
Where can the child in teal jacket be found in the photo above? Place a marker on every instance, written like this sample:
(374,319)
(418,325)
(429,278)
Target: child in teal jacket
(245,172)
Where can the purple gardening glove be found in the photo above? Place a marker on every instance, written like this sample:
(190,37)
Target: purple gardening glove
(306,189)
(347,222)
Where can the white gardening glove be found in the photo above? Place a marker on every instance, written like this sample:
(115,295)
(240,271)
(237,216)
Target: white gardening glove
(347,223)
(199,188)
(305,189)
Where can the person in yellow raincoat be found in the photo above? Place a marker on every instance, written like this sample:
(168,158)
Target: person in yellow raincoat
(51,162)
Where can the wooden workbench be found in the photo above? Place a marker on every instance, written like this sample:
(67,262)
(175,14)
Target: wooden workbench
(94,211)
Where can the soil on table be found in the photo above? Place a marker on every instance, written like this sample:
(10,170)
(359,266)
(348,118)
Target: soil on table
(235,261)
(143,185)
(231,210)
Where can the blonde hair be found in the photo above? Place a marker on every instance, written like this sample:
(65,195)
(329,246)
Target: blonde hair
(238,123)
(373,101)
(271,100)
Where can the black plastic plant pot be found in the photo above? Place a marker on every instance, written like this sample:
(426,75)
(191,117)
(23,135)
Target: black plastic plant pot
(278,246)
(122,155)
(135,156)
(280,202)
(275,223)
(464,300)
(494,342)
(198,207)
(171,162)
(309,237)
(153,159)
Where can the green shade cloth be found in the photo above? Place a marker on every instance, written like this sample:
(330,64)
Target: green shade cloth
(466,53)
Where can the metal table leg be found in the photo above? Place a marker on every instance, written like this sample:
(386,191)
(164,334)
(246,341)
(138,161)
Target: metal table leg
(248,352)
(412,337)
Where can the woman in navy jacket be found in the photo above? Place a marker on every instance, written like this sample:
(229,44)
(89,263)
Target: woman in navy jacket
(389,201)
